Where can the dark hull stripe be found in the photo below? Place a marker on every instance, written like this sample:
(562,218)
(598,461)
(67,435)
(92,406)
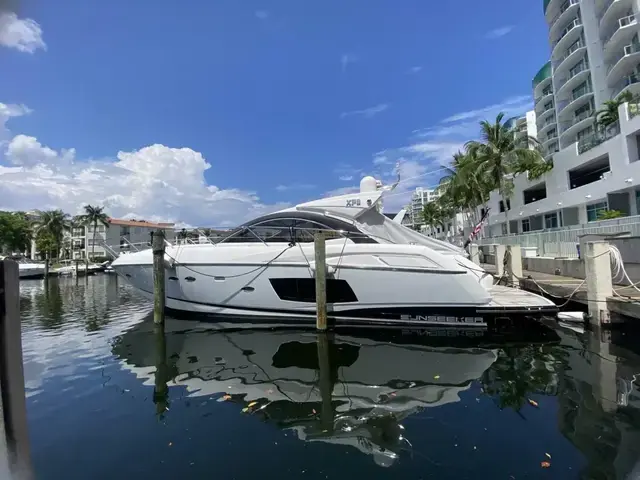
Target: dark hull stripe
(387,313)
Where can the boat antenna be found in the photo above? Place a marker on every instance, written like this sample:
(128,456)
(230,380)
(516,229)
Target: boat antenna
(392,187)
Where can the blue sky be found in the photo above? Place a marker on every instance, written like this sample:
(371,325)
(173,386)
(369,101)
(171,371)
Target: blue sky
(285,100)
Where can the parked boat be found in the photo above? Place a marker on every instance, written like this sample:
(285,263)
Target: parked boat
(27,268)
(379,272)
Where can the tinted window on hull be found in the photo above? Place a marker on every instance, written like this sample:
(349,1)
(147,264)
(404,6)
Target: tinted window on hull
(304,290)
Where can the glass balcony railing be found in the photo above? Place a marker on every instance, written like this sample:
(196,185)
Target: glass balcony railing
(548,121)
(577,119)
(587,143)
(570,50)
(544,94)
(565,6)
(624,83)
(628,50)
(575,96)
(579,69)
(550,137)
(604,9)
(575,23)
(623,22)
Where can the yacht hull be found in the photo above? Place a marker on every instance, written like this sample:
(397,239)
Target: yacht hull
(31,273)
(383,285)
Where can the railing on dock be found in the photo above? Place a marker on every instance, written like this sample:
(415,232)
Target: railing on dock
(563,242)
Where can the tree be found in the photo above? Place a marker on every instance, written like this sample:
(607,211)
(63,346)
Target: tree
(92,217)
(46,243)
(499,157)
(609,114)
(15,232)
(610,214)
(433,214)
(464,188)
(54,223)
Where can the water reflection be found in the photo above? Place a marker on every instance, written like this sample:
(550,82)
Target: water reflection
(330,388)
(465,406)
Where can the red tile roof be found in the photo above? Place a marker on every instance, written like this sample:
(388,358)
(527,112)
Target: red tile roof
(139,223)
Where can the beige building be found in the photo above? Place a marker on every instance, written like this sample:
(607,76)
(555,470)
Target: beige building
(120,236)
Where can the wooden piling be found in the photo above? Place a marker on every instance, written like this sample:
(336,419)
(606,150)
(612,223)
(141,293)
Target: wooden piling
(46,267)
(14,440)
(157,246)
(321,280)
(77,262)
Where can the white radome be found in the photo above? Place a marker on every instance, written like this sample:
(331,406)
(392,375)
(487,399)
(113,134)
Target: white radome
(368,184)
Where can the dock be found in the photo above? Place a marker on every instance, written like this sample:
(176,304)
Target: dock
(561,288)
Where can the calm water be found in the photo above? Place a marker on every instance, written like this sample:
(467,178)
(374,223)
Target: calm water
(107,398)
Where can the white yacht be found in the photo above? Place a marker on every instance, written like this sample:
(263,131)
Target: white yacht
(27,268)
(378,271)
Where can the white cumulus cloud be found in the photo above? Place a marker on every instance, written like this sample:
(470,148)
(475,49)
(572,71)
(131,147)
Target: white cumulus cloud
(25,35)
(156,182)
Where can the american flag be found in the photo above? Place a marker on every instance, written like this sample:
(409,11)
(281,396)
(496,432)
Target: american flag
(477,228)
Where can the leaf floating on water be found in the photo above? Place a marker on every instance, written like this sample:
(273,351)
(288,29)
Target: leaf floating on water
(437,377)
(245,410)
(545,464)
(224,398)
(252,404)
(533,403)
(393,394)
(313,410)
(548,455)
(170,443)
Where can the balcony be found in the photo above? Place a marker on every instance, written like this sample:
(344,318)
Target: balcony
(568,8)
(545,139)
(592,141)
(569,58)
(629,83)
(569,35)
(542,79)
(575,101)
(623,63)
(575,78)
(621,34)
(546,125)
(542,100)
(579,122)
(613,10)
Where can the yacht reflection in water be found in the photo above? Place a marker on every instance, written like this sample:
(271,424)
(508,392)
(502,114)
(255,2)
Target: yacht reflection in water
(330,388)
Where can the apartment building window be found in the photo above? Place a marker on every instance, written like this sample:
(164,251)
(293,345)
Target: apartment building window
(637,202)
(125,231)
(584,110)
(547,91)
(526,225)
(578,67)
(585,132)
(553,133)
(551,220)
(548,106)
(580,90)
(595,209)
(502,205)
(504,228)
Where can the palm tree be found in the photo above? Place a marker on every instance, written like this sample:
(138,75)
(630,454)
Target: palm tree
(609,114)
(465,187)
(54,223)
(499,157)
(93,216)
(434,214)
